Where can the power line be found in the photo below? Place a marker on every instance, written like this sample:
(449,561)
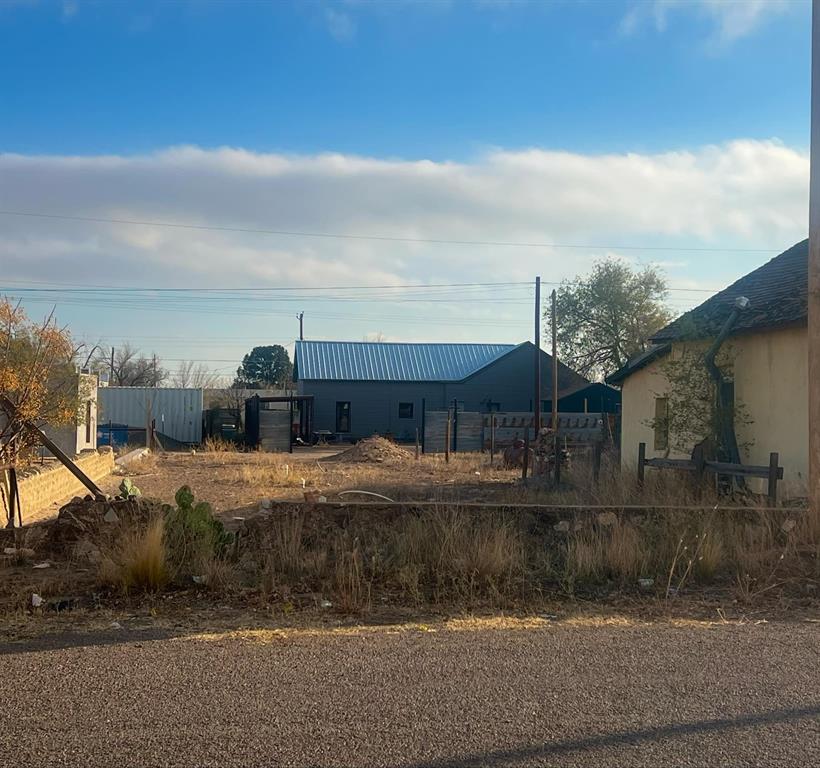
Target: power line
(377,238)
(284,289)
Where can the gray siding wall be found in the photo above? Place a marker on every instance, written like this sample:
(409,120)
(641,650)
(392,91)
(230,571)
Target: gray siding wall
(510,381)
(374,405)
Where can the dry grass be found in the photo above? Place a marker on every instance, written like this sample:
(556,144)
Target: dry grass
(447,552)
(138,560)
(219,445)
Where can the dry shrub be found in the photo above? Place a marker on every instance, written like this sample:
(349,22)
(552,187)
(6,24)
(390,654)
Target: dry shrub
(626,552)
(618,551)
(449,551)
(351,586)
(219,445)
(137,561)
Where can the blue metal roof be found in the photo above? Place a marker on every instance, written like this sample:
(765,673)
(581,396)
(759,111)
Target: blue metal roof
(384,361)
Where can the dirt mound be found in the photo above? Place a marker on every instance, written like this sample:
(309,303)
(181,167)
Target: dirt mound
(374,450)
(84,526)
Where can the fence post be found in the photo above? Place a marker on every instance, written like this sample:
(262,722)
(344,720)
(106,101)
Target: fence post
(492,438)
(641,461)
(423,422)
(526,459)
(773,472)
(447,439)
(417,443)
(455,426)
(596,461)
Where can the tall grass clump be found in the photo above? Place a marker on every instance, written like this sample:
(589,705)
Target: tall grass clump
(138,559)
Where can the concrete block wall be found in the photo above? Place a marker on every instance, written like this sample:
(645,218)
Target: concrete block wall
(45,488)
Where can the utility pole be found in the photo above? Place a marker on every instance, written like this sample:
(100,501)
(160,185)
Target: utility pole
(301,316)
(556,445)
(554,324)
(111,379)
(814,269)
(537,399)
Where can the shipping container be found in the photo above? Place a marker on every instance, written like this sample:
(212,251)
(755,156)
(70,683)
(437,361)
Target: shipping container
(177,412)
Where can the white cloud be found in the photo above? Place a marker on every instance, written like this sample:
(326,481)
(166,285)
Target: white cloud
(340,25)
(730,19)
(747,193)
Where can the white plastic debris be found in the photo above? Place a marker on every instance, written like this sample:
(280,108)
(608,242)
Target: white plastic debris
(40,566)
(115,625)
(646,583)
(562,527)
(326,604)
(10,551)
(198,579)
(36,600)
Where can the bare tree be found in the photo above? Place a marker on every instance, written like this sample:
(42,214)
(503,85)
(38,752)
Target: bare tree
(197,375)
(132,368)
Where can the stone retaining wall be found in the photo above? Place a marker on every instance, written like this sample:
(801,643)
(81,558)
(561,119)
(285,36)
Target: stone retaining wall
(42,489)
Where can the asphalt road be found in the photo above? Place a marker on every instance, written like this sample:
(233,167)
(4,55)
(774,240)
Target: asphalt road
(649,695)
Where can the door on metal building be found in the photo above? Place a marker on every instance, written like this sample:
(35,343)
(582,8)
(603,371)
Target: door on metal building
(343,417)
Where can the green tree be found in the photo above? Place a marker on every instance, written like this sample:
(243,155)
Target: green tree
(606,317)
(264,367)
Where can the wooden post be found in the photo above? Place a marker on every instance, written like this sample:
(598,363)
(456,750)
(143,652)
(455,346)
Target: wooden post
(596,461)
(773,472)
(526,460)
(536,407)
(447,439)
(492,438)
(455,425)
(417,443)
(423,423)
(641,461)
(814,270)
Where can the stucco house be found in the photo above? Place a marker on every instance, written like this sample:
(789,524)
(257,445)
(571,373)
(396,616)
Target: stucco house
(767,374)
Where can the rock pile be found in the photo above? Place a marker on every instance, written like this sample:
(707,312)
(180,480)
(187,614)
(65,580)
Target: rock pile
(84,526)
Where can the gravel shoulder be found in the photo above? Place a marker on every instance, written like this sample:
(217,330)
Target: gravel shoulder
(455,694)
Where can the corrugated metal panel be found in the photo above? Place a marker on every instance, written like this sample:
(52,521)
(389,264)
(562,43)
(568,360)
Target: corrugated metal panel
(178,412)
(380,361)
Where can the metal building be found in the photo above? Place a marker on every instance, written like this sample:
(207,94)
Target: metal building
(362,388)
(176,412)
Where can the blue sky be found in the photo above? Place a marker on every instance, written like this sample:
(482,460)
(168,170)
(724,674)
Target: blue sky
(668,124)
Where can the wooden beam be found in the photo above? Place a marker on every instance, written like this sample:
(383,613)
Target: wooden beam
(775,474)
(11,410)
(641,462)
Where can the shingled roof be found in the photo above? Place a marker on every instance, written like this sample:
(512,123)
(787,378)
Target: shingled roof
(777,293)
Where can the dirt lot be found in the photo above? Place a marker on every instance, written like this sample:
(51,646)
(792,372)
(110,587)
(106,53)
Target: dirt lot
(234,483)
